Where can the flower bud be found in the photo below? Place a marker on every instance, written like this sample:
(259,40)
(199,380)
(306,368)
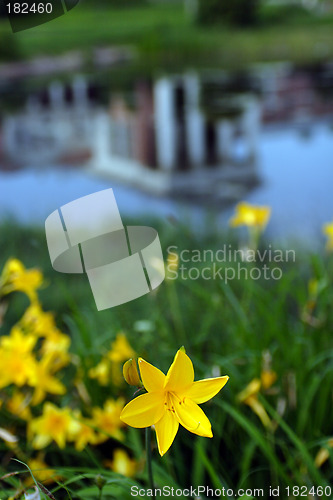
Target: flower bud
(100,481)
(131,374)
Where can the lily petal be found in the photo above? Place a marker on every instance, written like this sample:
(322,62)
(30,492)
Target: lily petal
(191,416)
(166,430)
(152,378)
(180,375)
(41,441)
(250,390)
(203,390)
(321,457)
(143,411)
(259,410)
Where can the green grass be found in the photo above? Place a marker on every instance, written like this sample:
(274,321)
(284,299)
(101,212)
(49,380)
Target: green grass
(166,39)
(226,326)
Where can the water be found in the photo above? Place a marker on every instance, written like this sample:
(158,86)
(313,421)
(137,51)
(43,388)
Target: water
(297,175)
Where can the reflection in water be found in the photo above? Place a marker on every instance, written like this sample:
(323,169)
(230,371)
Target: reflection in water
(297,175)
(200,138)
(179,137)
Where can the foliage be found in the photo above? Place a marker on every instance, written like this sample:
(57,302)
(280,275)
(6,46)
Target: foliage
(236,13)
(118,4)
(285,14)
(275,332)
(165,37)
(9,48)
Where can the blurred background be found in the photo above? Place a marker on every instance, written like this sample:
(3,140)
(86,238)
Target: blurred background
(179,105)
(184,108)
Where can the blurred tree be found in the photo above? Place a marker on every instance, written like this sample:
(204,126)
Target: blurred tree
(234,12)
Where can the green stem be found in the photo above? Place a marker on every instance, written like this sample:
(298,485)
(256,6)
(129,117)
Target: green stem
(150,461)
(176,313)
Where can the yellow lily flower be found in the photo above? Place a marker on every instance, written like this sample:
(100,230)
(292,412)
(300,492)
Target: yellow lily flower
(56,347)
(82,432)
(16,370)
(323,454)
(18,343)
(122,463)
(54,424)
(249,395)
(16,358)
(107,420)
(37,321)
(44,381)
(41,471)
(250,216)
(172,265)
(18,404)
(255,218)
(328,231)
(109,368)
(268,377)
(131,374)
(15,277)
(101,372)
(171,400)
(120,349)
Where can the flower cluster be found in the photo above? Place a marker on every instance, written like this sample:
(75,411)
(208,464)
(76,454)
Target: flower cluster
(37,368)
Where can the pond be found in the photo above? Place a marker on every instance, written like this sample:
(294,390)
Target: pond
(296,174)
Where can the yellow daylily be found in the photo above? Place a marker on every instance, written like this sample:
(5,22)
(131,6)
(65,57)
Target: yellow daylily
(16,358)
(172,265)
(107,419)
(120,349)
(250,215)
(37,321)
(122,463)
(54,424)
(18,404)
(323,454)
(268,377)
(328,231)
(249,395)
(56,346)
(131,374)
(109,368)
(171,400)
(15,277)
(82,432)
(16,370)
(41,471)
(18,343)
(101,372)
(44,381)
